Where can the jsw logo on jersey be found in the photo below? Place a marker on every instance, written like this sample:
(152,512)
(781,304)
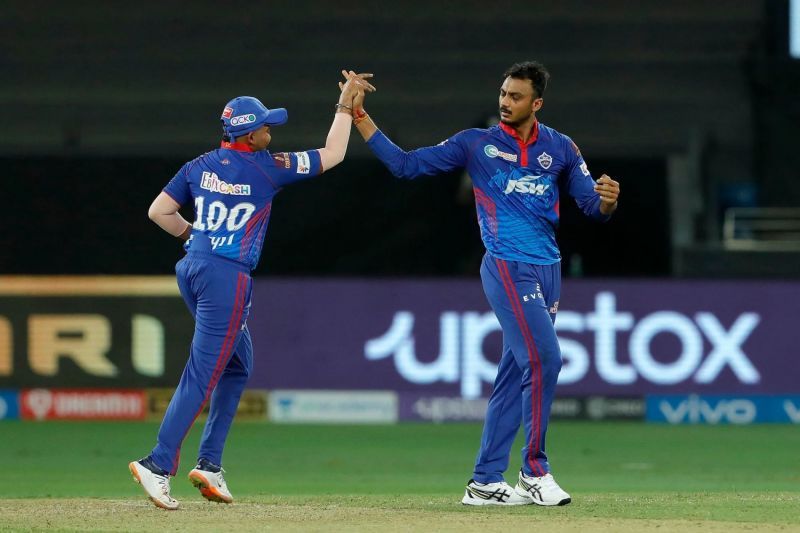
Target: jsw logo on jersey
(527,185)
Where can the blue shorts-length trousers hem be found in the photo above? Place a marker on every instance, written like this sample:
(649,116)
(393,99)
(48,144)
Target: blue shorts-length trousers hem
(217,292)
(525,299)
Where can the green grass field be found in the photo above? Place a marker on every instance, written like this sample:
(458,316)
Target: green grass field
(408,477)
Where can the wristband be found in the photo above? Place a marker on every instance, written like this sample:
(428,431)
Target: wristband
(361,117)
(342,106)
(184,236)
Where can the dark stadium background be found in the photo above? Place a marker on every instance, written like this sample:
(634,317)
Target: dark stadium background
(101,105)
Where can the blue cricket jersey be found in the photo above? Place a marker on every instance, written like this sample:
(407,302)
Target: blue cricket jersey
(516,184)
(232,188)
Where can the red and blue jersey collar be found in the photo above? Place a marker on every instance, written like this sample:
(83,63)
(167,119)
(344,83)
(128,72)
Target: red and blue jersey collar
(511,131)
(239,147)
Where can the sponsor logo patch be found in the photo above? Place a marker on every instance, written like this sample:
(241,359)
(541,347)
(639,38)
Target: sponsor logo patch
(545,160)
(535,295)
(527,185)
(491,151)
(303,162)
(282,159)
(584,169)
(243,119)
(508,157)
(211,182)
(227,112)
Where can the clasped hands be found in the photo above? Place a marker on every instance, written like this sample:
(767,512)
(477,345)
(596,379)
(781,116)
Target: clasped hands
(353,90)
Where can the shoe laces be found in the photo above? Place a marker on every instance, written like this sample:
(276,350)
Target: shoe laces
(545,481)
(501,484)
(163,481)
(549,483)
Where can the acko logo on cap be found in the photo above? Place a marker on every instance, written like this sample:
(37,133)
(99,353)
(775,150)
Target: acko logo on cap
(243,119)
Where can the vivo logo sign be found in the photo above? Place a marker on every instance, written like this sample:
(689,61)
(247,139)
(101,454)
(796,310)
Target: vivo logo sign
(461,358)
(694,409)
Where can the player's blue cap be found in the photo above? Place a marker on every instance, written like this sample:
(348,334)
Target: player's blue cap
(244,114)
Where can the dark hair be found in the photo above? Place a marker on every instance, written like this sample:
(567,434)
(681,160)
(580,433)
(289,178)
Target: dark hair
(530,70)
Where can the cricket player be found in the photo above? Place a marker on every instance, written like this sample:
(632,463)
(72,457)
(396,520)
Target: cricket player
(519,169)
(232,189)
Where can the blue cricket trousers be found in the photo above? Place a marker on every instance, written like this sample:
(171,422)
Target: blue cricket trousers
(217,292)
(525,299)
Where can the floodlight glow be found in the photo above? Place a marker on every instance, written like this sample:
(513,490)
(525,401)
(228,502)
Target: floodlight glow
(794,28)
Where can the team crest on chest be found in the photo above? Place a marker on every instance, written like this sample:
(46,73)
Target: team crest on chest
(545,160)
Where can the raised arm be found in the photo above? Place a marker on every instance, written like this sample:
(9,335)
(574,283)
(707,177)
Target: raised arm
(444,157)
(336,143)
(362,121)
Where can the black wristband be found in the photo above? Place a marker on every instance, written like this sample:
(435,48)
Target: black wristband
(184,236)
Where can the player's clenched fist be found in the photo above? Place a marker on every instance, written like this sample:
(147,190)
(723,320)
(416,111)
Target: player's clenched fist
(608,190)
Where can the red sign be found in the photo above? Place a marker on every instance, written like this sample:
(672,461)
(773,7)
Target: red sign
(227,112)
(82,404)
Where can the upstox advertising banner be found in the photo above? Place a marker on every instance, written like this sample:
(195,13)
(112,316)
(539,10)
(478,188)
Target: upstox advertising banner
(439,338)
(423,339)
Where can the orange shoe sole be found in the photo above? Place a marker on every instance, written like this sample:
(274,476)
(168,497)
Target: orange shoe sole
(209,492)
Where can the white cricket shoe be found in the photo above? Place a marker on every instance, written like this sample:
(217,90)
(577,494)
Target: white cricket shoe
(211,485)
(155,486)
(541,490)
(499,493)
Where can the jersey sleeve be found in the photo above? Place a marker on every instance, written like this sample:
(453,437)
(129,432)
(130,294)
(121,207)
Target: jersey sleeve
(446,156)
(178,187)
(284,168)
(580,183)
